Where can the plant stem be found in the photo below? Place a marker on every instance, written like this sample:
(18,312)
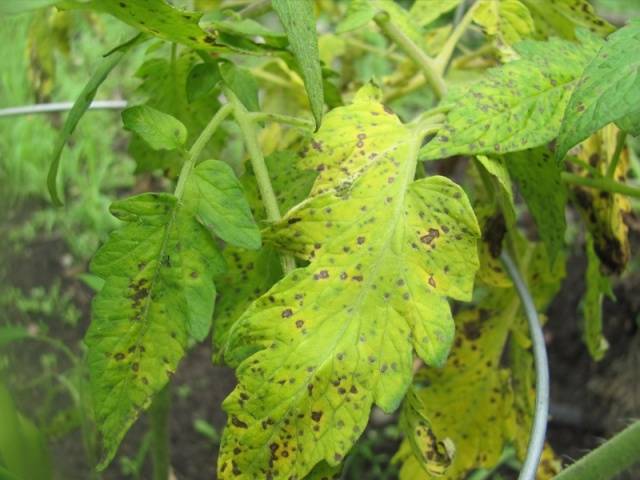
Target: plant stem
(255,9)
(198,146)
(620,140)
(610,458)
(605,184)
(414,52)
(248,131)
(160,433)
(443,58)
(279,118)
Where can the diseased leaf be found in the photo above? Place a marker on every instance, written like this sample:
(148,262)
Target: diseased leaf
(426,11)
(609,89)
(159,130)
(563,18)
(538,177)
(158,291)
(508,20)
(251,273)
(80,106)
(597,286)
(517,106)
(333,338)
(299,21)
(605,213)
(481,400)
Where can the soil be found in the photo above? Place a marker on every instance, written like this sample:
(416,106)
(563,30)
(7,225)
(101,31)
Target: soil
(590,401)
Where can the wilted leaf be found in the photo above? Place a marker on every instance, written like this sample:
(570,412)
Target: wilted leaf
(331,339)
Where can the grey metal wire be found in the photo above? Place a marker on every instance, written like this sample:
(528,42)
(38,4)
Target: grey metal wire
(61,107)
(539,427)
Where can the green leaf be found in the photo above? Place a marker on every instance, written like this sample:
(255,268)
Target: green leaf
(597,287)
(12,333)
(333,338)
(12,7)
(630,123)
(538,176)
(609,89)
(242,83)
(202,80)
(508,20)
(23,448)
(299,21)
(564,17)
(426,11)
(517,106)
(232,23)
(80,106)
(160,130)
(159,291)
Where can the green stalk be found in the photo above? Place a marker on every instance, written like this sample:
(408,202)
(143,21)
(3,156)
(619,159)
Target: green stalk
(248,131)
(612,457)
(604,184)
(198,146)
(446,53)
(414,52)
(620,140)
(279,118)
(159,413)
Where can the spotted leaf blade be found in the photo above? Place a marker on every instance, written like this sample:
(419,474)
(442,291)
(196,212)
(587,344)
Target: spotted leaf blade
(561,18)
(299,21)
(507,20)
(517,106)
(609,89)
(331,339)
(158,292)
(538,177)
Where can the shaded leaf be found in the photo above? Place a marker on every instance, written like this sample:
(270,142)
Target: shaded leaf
(609,88)
(333,338)
(242,83)
(517,106)
(159,130)
(299,21)
(202,80)
(538,177)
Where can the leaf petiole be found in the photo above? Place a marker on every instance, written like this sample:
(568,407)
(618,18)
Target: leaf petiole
(279,118)
(604,184)
(414,52)
(620,141)
(443,58)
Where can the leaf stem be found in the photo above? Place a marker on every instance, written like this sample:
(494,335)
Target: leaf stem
(604,184)
(443,58)
(610,458)
(279,118)
(198,146)
(620,141)
(160,433)
(248,131)
(414,52)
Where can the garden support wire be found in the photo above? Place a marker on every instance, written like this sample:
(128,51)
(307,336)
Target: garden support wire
(539,427)
(61,107)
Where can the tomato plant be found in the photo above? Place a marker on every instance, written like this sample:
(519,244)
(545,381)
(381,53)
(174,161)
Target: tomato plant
(324,259)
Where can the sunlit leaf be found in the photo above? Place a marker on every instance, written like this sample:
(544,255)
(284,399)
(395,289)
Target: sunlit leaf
(517,106)
(159,130)
(333,338)
(508,20)
(609,88)
(562,18)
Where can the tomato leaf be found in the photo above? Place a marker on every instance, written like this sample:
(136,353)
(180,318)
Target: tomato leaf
(80,106)
(242,83)
(517,106)
(508,20)
(299,21)
(333,338)
(609,89)
(160,130)
(202,80)
(564,17)
(158,291)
